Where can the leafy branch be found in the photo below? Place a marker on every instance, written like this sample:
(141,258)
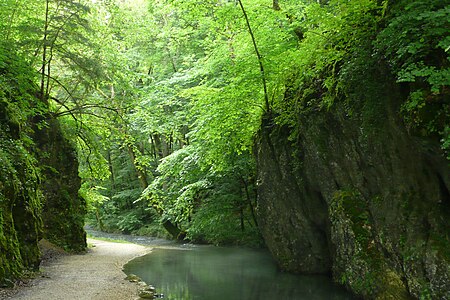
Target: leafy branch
(260,59)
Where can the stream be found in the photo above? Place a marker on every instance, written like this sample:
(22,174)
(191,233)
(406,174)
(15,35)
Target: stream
(188,272)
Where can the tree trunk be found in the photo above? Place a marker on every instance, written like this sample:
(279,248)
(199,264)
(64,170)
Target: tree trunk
(258,55)
(174,231)
(111,170)
(140,173)
(43,94)
(276,5)
(249,200)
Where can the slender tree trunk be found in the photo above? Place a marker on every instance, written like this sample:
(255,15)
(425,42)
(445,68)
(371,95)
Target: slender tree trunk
(249,200)
(165,146)
(140,173)
(111,170)
(172,60)
(170,148)
(276,5)
(44,53)
(99,219)
(261,66)
(241,212)
(153,148)
(157,143)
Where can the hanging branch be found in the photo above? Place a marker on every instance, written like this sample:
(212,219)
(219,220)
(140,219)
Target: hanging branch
(261,66)
(44,53)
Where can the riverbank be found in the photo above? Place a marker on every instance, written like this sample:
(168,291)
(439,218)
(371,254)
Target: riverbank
(95,275)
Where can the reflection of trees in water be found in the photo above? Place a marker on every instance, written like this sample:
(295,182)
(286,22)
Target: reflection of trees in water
(178,291)
(227,273)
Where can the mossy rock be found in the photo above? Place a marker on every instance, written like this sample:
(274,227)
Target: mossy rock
(392,288)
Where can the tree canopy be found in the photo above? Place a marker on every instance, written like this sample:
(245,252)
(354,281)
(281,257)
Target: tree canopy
(163,98)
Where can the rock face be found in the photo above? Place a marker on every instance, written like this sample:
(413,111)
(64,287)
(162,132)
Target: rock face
(359,197)
(63,209)
(38,197)
(38,175)
(20,198)
(20,203)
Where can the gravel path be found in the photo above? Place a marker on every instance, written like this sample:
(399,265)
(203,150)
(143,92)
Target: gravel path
(96,275)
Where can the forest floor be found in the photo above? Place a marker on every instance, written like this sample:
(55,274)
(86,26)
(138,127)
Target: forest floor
(96,275)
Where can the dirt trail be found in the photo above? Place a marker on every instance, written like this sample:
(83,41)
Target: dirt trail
(95,275)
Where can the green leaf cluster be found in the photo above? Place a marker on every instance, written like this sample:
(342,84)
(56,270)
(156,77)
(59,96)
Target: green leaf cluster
(334,37)
(207,203)
(416,44)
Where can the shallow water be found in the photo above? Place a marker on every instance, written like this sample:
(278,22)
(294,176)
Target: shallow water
(219,273)
(141,240)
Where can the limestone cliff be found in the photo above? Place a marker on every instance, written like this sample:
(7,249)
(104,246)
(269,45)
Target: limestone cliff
(20,196)
(38,196)
(357,196)
(63,209)
(20,203)
(38,175)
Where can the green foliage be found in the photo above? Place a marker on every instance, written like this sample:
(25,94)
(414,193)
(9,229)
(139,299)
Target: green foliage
(218,221)
(348,49)
(175,190)
(334,36)
(92,195)
(416,43)
(209,204)
(360,268)
(446,141)
(20,196)
(228,101)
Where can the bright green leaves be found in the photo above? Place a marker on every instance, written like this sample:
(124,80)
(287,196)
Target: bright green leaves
(93,194)
(210,205)
(226,119)
(333,38)
(175,191)
(416,43)
(341,41)
(228,100)
(21,24)
(436,77)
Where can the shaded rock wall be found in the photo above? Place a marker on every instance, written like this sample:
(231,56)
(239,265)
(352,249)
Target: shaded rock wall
(20,203)
(358,196)
(38,175)
(38,198)
(63,209)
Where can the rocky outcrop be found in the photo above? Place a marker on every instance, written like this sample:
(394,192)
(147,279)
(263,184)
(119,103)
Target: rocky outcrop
(20,197)
(63,209)
(20,207)
(356,195)
(38,175)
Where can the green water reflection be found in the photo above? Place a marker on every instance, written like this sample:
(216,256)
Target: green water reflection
(211,273)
